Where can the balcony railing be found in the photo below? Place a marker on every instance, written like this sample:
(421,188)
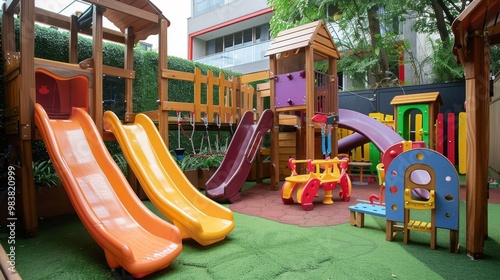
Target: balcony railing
(208,5)
(237,57)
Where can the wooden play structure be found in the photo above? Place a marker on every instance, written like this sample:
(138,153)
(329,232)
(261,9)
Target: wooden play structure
(298,90)
(59,86)
(475,30)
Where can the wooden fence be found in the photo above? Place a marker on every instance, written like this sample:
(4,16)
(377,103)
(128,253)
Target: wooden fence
(234,98)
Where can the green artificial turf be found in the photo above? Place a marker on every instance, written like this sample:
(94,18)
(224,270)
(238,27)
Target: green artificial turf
(262,249)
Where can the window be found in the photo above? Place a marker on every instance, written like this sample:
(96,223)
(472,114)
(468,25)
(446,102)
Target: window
(219,45)
(145,46)
(262,33)
(238,40)
(205,6)
(210,47)
(228,42)
(247,37)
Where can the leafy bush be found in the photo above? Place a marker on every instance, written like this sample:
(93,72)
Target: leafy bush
(45,174)
(189,163)
(120,160)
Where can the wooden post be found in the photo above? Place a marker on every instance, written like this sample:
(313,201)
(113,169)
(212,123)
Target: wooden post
(334,99)
(233,102)
(310,92)
(275,161)
(97,55)
(26,120)
(129,65)
(210,93)
(73,40)
(197,94)
(477,84)
(163,83)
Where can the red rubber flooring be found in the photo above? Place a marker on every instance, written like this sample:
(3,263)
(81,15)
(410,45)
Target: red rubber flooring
(260,201)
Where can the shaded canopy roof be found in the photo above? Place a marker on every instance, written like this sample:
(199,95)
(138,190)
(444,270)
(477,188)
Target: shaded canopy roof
(123,18)
(480,16)
(313,34)
(141,16)
(429,97)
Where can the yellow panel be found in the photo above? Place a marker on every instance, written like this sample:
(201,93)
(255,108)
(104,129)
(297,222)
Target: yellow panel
(407,145)
(418,127)
(377,116)
(366,152)
(461,142)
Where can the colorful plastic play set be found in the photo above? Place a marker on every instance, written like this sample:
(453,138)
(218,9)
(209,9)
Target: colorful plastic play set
(61,103)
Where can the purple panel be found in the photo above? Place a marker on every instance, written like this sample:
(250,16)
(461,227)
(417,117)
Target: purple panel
(290,89)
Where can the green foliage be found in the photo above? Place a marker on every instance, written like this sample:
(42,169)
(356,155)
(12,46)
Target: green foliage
(120,160)
(209,161)
(189,162)
(44,174)
(146,81)
(200,161)
(495,59)
(444,67)
(363,50)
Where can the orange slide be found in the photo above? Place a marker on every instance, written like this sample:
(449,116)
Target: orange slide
(197,216)
(131,236)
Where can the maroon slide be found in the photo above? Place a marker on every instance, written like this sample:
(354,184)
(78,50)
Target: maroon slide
(228,179)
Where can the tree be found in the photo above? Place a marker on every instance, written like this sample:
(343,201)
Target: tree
(369,31)
(370,43)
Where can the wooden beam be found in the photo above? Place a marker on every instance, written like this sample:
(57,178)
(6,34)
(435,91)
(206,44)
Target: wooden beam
(275,156)
(8,33)
(163,83)
(7,266)
(97,56)
(126,9)
(248,78)
(64,22)
(177,75)
(308,142)
(477,84)
(26,117)
(118,72)
(73,40)
(334,99)
(10,6)
(129,66)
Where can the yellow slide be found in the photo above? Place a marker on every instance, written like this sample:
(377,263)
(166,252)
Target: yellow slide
(197,216)
(131,235)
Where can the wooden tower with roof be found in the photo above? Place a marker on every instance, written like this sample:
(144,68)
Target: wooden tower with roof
(428,104)
(298,89)
(136,20)
(476,30)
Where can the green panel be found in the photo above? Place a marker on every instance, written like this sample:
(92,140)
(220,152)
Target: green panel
(403,117)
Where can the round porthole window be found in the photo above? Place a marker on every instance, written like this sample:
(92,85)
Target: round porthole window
(420,177)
